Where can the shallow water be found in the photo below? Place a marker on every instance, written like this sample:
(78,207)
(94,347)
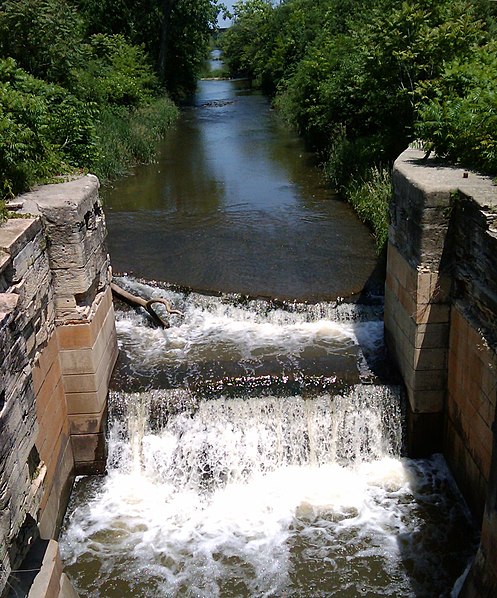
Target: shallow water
(236,204)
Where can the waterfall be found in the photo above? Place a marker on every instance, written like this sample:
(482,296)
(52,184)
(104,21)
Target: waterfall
(280,476)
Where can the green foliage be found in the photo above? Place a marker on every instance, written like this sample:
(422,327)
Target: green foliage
(115,73)
(43,36)
(68,102)
(370,197)
(457,113)
(175,33)
(244,43)
(130,136)
(44,130)
(361,78)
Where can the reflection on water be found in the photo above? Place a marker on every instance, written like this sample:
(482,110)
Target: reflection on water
(235,203)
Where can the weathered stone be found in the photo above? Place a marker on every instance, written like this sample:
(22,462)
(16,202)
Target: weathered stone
(54,269)
(441,328)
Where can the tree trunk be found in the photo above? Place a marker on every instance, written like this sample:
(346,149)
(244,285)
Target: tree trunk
(167,6)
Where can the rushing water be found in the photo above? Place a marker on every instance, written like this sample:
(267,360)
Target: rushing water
(256,445)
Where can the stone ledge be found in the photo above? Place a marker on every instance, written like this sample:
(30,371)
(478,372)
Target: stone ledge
(437,181)
(57,200)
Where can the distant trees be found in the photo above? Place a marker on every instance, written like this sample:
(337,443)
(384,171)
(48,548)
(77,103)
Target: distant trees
(175,33)
(360,79)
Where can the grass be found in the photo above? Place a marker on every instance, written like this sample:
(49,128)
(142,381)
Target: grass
(370,197)
(126,138)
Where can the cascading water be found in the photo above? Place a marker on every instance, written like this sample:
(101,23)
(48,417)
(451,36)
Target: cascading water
(263,459)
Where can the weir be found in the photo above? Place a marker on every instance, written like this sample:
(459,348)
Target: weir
(248,469)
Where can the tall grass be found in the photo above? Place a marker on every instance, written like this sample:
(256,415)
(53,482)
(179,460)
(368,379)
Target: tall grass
(370,197)
(127,137)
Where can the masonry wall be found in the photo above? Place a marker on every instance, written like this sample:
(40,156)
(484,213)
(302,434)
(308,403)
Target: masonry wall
(441,329)
(57,351)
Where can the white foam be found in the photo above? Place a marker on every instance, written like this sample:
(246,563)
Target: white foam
(217,328)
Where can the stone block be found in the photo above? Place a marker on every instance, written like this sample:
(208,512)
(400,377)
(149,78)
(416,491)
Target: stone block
(88,448)
(84,383)
(56,497)
(86,361)
(77,281)
(88,423)
(27,256)
(67,255)
(8,303)
(63,204)
(53,423)
(17,233)
(467,475)
(87,402)
(426,401)
(44,361)
(83,335)
(47,582)
(432,314)
(48,389)
(66,588)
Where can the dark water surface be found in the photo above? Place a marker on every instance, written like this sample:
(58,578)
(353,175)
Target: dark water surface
(235,204)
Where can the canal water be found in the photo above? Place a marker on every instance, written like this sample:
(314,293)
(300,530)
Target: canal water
(256,446)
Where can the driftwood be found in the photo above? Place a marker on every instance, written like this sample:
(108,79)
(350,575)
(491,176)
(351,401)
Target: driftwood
(134,300)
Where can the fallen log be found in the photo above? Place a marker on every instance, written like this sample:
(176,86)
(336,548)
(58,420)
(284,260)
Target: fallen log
(136,301)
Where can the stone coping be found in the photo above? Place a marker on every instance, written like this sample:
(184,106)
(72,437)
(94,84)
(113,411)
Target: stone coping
(433,178)
(58,197)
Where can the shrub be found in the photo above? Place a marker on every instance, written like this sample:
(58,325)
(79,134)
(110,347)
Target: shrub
(115,73)
(457,115)
(43,36)
(44,130)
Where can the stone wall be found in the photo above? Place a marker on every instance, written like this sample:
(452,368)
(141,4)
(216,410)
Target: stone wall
(441,326)
(57,351)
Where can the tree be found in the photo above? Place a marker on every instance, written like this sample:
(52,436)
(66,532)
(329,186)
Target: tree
(43,36)
(174,32)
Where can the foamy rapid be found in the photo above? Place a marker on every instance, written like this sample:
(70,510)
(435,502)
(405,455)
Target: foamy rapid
(273,490)
(227,329)
(261,497)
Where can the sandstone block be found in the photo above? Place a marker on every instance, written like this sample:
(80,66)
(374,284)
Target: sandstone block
(89,447)
(86,361)
(83,335)
(17,233)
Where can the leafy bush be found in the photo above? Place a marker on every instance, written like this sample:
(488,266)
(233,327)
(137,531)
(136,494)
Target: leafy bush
(44,130)
(43,36)
(115,73)
(457,115)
